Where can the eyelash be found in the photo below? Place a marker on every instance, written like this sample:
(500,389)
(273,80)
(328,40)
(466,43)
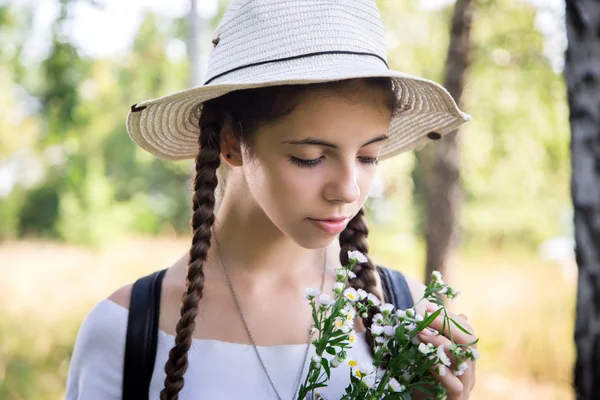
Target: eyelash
(313,163)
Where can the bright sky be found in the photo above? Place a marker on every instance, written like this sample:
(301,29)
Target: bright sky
(107,30)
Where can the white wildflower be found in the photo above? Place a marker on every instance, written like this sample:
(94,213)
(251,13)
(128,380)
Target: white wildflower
(357,256)
(341,273)
(436,276)
(401,313)
(335,363)
(378,318)
(366,368)
(311,293)
(441,370)
(460,369)
(389,331)
(443,356)
(381,340)
(369,381)
(352,337)
(373,300)
(386,309)
(474,353)
(424,348)
(452,293)
(362,294)
(316,359)
(410,312)
(395,386)
(349,310)
(351,275)
(338,287)
(419,317)
(338,322)
(325,300)
(351,294)
(376,329)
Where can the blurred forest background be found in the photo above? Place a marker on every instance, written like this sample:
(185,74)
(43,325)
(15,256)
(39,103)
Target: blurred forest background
(83,211)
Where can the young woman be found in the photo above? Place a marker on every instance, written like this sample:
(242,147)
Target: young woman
(299,107)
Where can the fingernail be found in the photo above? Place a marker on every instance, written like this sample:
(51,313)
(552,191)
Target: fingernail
(425,333)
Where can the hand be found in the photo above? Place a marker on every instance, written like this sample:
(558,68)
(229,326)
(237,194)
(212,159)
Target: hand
(457,387)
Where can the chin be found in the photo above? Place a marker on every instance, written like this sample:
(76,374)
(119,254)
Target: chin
(314,241)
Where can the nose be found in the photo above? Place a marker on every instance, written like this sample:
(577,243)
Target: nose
(342,185)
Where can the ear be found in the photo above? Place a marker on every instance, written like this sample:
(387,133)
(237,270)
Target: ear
(230,147)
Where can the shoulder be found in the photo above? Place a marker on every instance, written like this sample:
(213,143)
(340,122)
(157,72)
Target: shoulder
(122,296)
(96,367)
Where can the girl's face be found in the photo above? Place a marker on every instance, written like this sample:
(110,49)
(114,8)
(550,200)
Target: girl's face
(318,163)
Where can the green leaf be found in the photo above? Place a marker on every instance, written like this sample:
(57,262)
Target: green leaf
(427,321)
(460,327)
(325,364)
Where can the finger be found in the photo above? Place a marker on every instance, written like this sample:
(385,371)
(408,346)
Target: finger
(458,335)
(468,378)
(461,319)
(426,336)
(453,385)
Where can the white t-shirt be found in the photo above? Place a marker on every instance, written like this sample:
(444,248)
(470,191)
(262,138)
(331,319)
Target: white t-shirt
(217,370)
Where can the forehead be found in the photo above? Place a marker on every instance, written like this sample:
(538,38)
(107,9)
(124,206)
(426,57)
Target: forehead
(336,115)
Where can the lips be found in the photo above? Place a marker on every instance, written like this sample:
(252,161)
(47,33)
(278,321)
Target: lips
(338,219)
(330,225)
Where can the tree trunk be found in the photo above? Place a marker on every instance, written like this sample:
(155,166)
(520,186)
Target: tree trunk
(582,74)
(441,171)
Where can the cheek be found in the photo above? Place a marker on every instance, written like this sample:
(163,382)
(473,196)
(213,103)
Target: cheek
(294,186)
(280,188)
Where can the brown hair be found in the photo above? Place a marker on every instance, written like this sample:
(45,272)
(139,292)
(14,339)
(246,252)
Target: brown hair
(248,109)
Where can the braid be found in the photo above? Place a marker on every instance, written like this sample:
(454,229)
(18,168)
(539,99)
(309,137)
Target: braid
(354,237)
(203,204)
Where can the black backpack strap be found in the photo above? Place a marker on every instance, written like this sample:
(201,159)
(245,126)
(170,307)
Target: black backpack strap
(395,288)
(142,336)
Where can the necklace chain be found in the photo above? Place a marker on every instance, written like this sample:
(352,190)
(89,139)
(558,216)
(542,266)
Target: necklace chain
(239,308)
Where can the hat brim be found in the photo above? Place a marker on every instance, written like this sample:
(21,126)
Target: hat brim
(162,126)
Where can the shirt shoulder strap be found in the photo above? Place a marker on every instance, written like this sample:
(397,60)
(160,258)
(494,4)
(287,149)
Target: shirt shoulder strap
(142,336)
(395,288)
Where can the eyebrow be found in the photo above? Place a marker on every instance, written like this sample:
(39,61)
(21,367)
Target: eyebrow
(320,142)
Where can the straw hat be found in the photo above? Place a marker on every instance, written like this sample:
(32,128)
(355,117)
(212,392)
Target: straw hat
(262,43)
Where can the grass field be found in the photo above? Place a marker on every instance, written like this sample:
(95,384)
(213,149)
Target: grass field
(521,307)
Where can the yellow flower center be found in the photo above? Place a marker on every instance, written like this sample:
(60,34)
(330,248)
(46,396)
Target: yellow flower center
(352,363)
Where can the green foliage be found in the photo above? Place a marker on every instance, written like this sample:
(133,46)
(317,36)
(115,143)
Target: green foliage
(514,154)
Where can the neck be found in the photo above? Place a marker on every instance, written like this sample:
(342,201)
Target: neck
(250,244)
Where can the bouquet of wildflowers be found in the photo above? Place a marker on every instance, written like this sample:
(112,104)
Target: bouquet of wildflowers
(401,362)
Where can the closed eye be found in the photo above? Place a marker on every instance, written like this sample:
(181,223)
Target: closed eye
(299,162)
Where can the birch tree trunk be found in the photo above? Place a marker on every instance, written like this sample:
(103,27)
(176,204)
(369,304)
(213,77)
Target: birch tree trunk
(582,74)
(443,192)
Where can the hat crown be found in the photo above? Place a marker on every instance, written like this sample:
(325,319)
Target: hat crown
(259,31)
